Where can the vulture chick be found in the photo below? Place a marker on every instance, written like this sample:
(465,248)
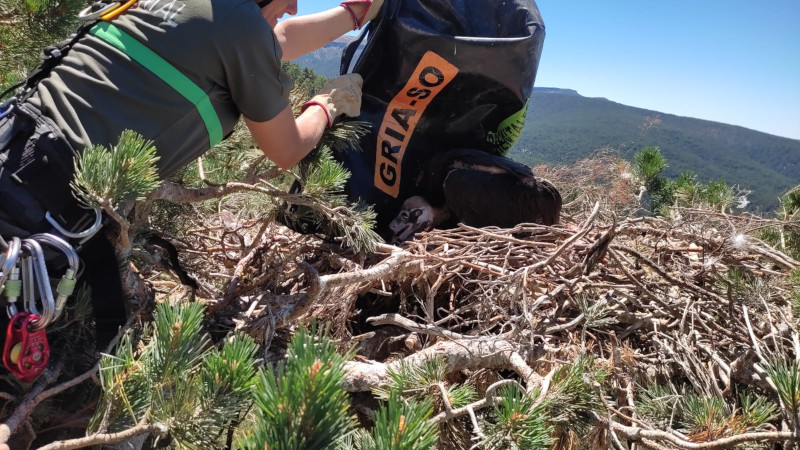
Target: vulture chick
(478,189)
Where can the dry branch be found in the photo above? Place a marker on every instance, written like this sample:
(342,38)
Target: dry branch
(487,353)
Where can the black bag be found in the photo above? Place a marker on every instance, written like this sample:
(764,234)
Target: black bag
(438,74)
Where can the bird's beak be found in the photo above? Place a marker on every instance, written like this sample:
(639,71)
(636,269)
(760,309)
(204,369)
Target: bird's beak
(402,234)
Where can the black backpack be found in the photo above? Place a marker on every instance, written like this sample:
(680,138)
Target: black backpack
(438,74)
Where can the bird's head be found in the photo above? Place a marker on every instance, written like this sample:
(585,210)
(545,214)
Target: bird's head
(415,215)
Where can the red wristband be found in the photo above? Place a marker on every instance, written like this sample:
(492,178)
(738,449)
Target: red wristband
(318,103)
(359,22)
(352,14)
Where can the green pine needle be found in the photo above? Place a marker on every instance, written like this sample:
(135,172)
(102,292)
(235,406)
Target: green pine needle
(661,404)
(598,314)
(648,164)
(301,406)
(344,136)
(334,215)
(107,178)
(518,423)
(572,395)
(179,342)
(326,175)
(705,413)
(461,395)
(403,425)
(786,376)
(757,410)
(127,391)
(175,377)
(412,380)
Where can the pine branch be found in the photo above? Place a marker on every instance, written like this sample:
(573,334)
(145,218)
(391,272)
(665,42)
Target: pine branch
(176,378)
(156,429)
(639,434)
(486,353)
(176,193)
(104,179)
(403,425)
(302,406)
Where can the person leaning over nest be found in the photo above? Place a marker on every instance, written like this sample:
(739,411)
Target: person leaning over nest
(178,72)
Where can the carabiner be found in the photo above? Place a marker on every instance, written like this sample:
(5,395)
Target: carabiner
(36,264)
(28,286)
(13,289)
(66,286)
(10,283)
(98,223)
(88,14)
(111,15)
(10,260)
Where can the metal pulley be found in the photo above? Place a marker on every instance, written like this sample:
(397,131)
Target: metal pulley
(24,272)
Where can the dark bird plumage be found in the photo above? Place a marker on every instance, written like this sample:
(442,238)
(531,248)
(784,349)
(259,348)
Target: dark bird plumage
(478,189)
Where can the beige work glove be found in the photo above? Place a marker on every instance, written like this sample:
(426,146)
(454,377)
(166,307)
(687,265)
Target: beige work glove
(341,95)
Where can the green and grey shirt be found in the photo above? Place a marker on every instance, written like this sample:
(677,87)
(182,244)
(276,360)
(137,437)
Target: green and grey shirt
(224,46)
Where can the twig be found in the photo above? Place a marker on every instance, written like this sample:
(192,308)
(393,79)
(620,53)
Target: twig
(638,434)
(230,294)
(29,402)
(400,321)
(109,438)
(487,400)
(756,347)
(179,194)
(570,241)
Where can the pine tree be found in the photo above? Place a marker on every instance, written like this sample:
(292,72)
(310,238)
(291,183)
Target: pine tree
(27,27)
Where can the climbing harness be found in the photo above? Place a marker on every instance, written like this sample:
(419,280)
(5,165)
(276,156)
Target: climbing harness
(160,67)
(31,150)
(31,156)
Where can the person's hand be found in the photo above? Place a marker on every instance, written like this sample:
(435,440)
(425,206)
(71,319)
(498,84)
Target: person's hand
(374,8)
(341,95)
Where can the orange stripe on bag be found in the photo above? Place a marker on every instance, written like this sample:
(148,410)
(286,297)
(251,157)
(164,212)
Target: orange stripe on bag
(430,77)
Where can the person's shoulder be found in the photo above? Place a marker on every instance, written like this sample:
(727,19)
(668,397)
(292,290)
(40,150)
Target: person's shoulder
(238,11)
(242,17)
(244,23)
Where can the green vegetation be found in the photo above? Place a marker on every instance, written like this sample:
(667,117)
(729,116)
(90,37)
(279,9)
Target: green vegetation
(562,128)
(172,377)
(305,81)
(704,417)
(28,26)
(300,405)
(787,239)
(126,172)
(684,191)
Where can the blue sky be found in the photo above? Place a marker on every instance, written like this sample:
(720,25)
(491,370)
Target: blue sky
(728,61)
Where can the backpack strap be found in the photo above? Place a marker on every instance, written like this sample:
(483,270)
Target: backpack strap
(140,53)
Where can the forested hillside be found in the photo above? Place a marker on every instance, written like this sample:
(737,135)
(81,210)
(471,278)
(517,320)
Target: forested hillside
(326,60)
(563,126)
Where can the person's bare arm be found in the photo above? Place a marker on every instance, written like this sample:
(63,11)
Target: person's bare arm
(300,35)
(303,34)
(286,139)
